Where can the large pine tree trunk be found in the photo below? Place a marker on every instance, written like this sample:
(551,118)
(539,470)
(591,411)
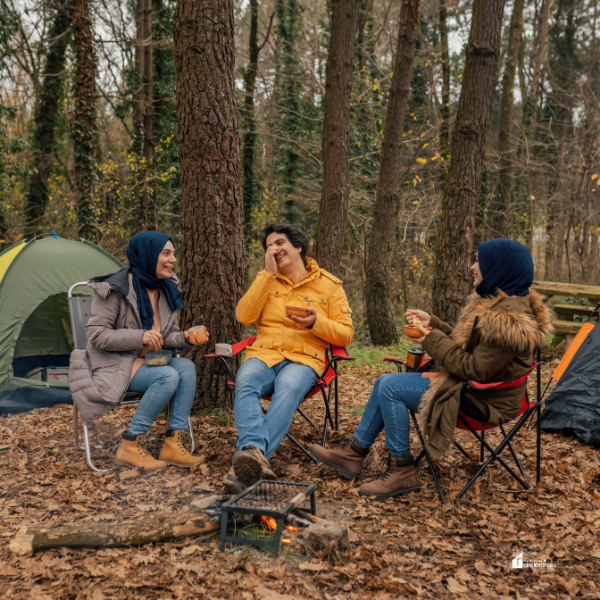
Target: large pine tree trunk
(379,252)
(211,193)
(459,203)
(336,135)
(500,206)
(445,108)
(45,117)
(85,132)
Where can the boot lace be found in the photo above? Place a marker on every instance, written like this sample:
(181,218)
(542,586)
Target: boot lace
(143,452)
(387,462)
(183,449)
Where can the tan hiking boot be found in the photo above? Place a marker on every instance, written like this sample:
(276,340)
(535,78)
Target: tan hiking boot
(175,453)
(250,465)
(132,454)
(348,460)
(399,478)
(232,484)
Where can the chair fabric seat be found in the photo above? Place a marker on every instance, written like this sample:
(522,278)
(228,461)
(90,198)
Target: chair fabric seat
(477,426)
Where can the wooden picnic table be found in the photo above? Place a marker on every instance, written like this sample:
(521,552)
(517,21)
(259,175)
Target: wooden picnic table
(551,288)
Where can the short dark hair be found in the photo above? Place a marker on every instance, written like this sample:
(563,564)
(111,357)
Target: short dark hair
(293,234)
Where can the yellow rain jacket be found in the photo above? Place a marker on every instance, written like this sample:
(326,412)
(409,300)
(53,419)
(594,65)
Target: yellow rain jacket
(278,338)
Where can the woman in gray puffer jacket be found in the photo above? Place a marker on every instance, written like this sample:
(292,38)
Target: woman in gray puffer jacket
(134,311)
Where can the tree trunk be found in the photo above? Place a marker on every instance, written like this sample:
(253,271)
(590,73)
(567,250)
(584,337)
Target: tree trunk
(45,117)
(336,135)
(211,192)
(148,118)
(500,205)
(459,203)
(249,145)
(380,317)
(445,108)
(85,132)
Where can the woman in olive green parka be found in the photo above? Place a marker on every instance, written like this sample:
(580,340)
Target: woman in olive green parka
(494,340)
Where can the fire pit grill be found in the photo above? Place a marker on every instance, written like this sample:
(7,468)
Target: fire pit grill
(269,498)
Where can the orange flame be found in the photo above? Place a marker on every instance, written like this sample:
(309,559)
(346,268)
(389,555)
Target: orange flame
(270,522)
(293,530)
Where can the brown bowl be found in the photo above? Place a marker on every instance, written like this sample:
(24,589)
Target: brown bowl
(414,332)
(294,311)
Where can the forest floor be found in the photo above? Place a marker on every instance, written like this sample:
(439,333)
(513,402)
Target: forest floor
(412,546)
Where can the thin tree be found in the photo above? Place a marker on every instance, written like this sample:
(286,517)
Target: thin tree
(499,210)
(45,120)
(459,202)
(212,218)
(85,131)
(380,317)
(445,107)
(336,135)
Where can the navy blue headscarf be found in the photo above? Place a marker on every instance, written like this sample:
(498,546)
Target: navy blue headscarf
(505,265)
(143,251)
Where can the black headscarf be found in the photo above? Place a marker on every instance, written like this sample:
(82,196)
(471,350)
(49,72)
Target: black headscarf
(143,251)
(505,265)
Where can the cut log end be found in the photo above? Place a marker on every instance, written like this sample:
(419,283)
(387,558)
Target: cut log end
(22,545)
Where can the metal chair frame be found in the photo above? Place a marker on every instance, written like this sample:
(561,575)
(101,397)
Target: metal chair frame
(79,319)
(532,408)
(334,355)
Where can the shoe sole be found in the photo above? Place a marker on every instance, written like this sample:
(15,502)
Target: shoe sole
(120,463)
(384,496)
(345,474)
(249,470)
(179,465)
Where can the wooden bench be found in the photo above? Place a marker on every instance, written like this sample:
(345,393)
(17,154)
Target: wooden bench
(564,323)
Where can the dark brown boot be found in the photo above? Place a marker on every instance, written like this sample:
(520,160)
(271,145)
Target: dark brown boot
(399,478)
(348,460)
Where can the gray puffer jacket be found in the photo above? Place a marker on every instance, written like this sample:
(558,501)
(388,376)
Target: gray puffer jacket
(99,375)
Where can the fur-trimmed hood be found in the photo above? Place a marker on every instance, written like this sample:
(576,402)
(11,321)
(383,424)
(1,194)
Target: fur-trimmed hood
(505,326)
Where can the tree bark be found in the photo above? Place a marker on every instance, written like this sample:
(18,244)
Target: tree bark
(459,202)
(500,205)
(85,131)
(211,192)
(445,108)
(148,118)
(45,117)
(336,135)
(380,317)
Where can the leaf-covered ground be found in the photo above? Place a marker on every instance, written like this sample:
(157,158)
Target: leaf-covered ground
(407,547)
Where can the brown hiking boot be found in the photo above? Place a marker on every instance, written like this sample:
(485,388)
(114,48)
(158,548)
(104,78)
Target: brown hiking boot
(250,465)
(175,453)
(132,454)
(232,484)
(348,460)
(399,478)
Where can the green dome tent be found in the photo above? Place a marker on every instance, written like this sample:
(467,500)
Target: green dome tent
(35,329)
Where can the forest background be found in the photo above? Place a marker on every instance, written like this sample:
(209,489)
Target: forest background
(89,139)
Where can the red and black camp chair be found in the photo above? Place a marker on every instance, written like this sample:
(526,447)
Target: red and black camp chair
(527,410)
(327,384)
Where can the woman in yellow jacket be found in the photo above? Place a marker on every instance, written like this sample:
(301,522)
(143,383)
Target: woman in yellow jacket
(289,352)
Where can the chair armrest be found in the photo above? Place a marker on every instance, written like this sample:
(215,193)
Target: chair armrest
(501,385)
(339,353)
(235,348)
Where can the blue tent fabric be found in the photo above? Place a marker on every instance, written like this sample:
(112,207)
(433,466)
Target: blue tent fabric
(573,407)
(24,399)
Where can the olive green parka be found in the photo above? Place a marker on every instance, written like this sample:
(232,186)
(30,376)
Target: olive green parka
(494,340)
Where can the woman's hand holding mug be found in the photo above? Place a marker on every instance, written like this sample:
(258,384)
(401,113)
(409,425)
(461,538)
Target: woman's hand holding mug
(411,314)
(196,336)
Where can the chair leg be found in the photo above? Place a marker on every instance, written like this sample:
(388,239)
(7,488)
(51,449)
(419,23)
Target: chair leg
(76,429)
(326,399)
(461,449)
(337,424)
(512,451)
(88,452)
(301,447)
(482,442)
(307,418)
(191,432)
(429,461)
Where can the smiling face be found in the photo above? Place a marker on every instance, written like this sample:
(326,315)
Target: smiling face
(477,276)
(287,256)
(166,261)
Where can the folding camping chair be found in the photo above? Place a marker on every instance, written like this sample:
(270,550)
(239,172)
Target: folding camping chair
(79,311)
(328,381)
(527,410)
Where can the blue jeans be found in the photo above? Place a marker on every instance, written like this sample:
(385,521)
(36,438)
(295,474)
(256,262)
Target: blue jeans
(174,384)
(287,383)
(387,408)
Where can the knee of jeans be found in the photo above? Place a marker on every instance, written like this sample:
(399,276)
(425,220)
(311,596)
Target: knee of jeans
(170,377)
(187,368)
